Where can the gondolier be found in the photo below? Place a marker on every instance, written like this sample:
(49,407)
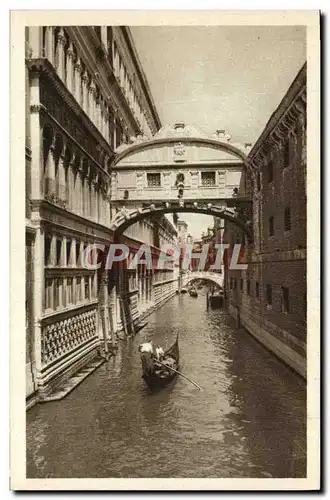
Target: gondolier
(159,367)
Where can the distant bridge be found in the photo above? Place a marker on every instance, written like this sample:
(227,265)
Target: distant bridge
(216,278)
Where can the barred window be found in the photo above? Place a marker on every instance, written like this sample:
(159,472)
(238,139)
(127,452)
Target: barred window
(270,171)
(288,152)
(87,296)
(271,226)
(258,181)
(47,250)
(68,251)
(153,180)
(248,287)
(58,252)
(269,295)
(287,219)
(208,178)
(257,289)
(242,284)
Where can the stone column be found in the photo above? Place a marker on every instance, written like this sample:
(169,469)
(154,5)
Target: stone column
(50,176)
(36,139)
(61,55)
(61,179)
(106,132)
(63,286)
(52,256)
(73,263)
(77,79)
(80,204)
(38,295)
(94,198)
(92,90)
(49,44)
(70,68)
(98,113)
(116,62)
(85,92)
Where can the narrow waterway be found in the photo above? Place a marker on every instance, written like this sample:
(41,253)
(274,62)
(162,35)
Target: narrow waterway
(248,421)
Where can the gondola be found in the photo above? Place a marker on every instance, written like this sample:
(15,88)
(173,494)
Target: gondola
(217,300)
(193,292)
(155,374)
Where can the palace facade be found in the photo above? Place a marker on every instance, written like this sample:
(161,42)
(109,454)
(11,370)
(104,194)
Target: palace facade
(269,297)
(86,94)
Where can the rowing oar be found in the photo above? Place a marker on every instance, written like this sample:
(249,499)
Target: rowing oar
(179,373)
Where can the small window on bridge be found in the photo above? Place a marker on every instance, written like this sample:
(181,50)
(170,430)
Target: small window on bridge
(153,180)
(208,178)
(242,284)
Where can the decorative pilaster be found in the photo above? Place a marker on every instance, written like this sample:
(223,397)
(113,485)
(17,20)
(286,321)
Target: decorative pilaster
(92,97)
(49,44)
(61,190)
(38,295)
(50,176)
(61,55)
(77,79)
(85,92)
(70,68)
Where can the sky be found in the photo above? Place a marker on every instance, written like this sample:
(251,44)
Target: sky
(219,77)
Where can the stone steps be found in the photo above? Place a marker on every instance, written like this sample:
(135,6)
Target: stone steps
(76,379)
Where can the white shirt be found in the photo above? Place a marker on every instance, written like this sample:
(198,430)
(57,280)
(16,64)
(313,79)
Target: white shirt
(146,347)
(159,352)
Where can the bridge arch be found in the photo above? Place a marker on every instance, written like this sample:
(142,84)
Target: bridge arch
(126,218)
(215,278)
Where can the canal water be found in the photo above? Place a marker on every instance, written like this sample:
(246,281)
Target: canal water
(248,420)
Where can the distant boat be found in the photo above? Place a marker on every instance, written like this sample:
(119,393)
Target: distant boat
(217,299)
(193,292)
(184,290)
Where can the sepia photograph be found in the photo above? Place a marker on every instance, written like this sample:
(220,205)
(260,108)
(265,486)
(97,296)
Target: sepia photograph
(162,209)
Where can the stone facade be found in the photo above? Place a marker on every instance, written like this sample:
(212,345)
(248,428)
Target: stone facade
(85,95)
(269,297)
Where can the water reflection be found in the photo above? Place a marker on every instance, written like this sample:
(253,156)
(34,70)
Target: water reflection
(248,421)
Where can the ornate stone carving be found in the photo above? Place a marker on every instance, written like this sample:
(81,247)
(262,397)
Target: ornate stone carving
(61,337)
(179,152)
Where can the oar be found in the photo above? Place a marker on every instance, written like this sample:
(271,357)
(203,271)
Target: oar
(179,373)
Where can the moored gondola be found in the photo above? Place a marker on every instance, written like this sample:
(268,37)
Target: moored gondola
(158,374)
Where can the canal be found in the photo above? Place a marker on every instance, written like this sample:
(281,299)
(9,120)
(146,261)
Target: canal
(248,421)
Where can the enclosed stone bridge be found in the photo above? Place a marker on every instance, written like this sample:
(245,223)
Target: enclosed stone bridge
(181,169)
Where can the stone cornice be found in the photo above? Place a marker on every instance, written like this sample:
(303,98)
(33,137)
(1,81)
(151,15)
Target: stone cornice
(84,38)
(46,208)
(42,65)
(40,108)
(227,147)
(143,79)
(194,166)
(283,119)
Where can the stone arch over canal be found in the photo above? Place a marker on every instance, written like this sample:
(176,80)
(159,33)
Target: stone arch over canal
(181,169)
